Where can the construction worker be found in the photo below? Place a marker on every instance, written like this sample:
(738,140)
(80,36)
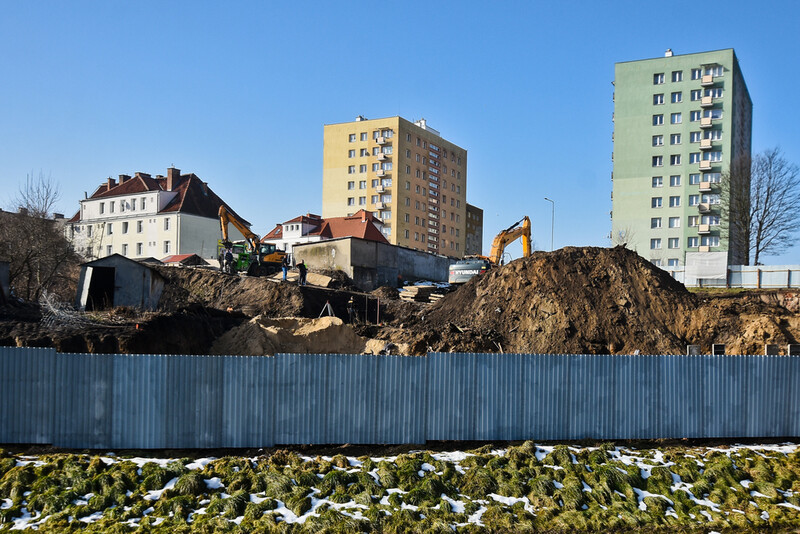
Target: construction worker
(301,267)
(285,266)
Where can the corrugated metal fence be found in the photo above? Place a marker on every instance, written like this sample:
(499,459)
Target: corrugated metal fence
(154,401)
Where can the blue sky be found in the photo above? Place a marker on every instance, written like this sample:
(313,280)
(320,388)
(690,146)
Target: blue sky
(238,93)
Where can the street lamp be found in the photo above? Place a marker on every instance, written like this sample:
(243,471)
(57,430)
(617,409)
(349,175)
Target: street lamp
(552,220)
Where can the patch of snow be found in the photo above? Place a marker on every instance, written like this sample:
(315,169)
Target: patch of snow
(755,493)
(476,517)
(707,515)
(789,505)
(586,487)
(156,494)
(641,494)
(456,506)
(671,512)
(558,484)
(6,503)
(214,483)
(199,464)
(765,515)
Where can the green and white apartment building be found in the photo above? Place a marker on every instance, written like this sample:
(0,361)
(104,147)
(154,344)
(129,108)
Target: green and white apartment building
(679,122)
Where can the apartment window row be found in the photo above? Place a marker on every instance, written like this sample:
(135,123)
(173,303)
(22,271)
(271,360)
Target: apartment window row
(658,161)
(694,200)
(124,205)
(696,74)
(124,249)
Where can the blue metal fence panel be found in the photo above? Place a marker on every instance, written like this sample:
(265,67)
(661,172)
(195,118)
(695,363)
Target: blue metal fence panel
(140,401)
(498,397)
(27,387)
(84,409)
(451,400)
(248,402)
(400,405)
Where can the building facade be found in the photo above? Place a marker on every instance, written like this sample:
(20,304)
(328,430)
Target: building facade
(679,123)
(414,180)
(141,216)
(312,228)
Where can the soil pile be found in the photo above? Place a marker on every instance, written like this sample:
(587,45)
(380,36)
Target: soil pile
(574,300)
(326,335)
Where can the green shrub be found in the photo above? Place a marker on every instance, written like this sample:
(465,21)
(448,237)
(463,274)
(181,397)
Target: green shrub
(478,482)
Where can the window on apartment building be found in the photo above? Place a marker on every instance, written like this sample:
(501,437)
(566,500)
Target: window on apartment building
(675,139)
(351,169)
(658,181)
(712,113)
(694,157)
(111,206)
(386,165)
(408,169)
(714,135)
(102,207)
(675,159)
(677,97)
(166,223)
(109,250)
(362,184)
(677,75)
(694,178)
(125,249)
(712,220)
(133,204)
(674,222)
(658,161)
(139,249)
(408,153)
(697,74)
(376,166)
(416,236)
(694,200)
(351,153)
(363,136)
(352,138)
(658,140)
(658,79)
(694,116)
(674,202)
(692,220)
(167,247)
(655,202)
(675,118)
(419,141)
(362,168)
(675,180)
(694,137)
(121,206)
(376,150)
(713,177)
(655,222)
(673,242)
(714,155)
(658,99)
(714,70)
(408,201)
(109,228)
(408,185)
(693,242)
(672,262)
(709,241)
(125,227)
(144,202)
(89,230)
(710,198)
(655,243)
(656,262)
(696,95)
(351,201)
(658,120)
(374,199)
(363,152)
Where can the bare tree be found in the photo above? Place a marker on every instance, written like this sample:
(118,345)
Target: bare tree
(39,255)
(763,194)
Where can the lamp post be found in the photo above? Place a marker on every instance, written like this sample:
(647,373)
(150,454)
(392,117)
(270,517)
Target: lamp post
(552,220)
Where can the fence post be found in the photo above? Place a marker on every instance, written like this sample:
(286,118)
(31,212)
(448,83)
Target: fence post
(758,278)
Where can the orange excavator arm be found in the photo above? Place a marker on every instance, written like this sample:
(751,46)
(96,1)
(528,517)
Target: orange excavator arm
(520,229)
(226,217)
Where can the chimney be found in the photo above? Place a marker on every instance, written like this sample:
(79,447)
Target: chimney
(123,178)
(668,53)
(111,183)
(173,175)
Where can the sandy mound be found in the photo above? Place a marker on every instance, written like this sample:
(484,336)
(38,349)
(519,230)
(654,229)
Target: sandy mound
(326,335)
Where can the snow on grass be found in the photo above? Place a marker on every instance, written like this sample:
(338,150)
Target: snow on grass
(154,495)
(214,483)
(641,494)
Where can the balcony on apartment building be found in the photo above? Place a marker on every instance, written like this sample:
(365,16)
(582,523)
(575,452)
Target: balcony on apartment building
(706,80)
(705,186)
(704,229)
(704,207)
(381,140)
(705,122)
(380,188)
(382,156)
(707,101)
(380,205)
(705,144)
(380,172)
(705,165)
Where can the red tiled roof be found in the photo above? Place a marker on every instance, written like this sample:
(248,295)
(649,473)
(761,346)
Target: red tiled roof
(361,224)
(275,233)
(193,195)
(193,259)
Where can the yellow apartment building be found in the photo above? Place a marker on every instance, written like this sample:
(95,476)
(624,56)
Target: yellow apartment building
(407,174)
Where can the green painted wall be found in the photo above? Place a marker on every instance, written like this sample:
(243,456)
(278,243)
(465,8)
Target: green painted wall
(634,109)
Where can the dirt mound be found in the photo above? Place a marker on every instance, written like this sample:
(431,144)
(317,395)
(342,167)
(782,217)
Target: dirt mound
(326,335)
(574,300)
(386,293)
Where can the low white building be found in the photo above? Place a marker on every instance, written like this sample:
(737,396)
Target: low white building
(142,216)
(312,228)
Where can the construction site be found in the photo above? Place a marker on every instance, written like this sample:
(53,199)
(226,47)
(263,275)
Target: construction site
(570,301)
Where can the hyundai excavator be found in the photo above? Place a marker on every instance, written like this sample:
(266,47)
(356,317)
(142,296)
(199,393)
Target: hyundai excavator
(463,270)
(251,255)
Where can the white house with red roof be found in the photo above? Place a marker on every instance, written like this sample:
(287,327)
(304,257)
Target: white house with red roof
(142,216)
(311,228)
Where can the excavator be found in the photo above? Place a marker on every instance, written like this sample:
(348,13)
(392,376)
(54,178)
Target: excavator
(251,255)
(463,270)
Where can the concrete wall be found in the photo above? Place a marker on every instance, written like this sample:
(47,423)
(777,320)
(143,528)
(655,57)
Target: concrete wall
(135,285)
(154,401)
(749,276)
(372,264)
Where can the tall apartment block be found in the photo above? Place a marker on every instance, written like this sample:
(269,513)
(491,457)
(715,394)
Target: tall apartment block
(679,122)
(408,175)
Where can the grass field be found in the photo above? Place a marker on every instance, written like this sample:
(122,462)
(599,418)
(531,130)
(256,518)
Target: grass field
(525,488)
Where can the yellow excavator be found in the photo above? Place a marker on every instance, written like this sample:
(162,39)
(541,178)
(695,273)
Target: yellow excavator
(251,255)
(464,269)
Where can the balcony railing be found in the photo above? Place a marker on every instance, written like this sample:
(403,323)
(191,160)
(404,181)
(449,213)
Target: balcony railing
(380,172)
(707,101)
(704,207)
(705,165)
(704,229)
(705,122)
(706,80)
(704,248)
(705,186)
(705,144)
(381,140)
